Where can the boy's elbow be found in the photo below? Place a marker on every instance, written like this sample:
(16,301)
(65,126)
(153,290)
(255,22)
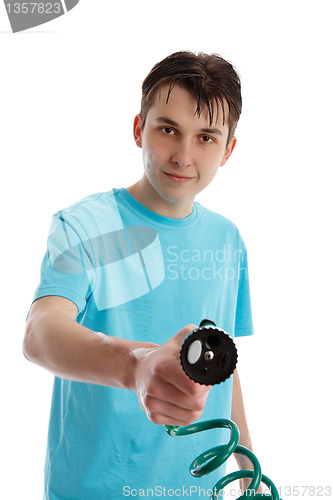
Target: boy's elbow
(29,345)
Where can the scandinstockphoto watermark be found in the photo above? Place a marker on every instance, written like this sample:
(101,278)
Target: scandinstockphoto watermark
(162,491)
(23,15)
(225,263)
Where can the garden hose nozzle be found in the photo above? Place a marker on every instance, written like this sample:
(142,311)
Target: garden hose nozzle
(208,355)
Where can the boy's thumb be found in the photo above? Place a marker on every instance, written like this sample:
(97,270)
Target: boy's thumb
(183,333)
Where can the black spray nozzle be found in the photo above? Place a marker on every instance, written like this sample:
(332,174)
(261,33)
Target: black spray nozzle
(208,354)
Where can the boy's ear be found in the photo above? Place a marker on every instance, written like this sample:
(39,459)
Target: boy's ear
(228,150)
(137,131)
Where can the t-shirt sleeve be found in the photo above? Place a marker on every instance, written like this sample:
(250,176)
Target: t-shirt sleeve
(243,323)
(64,267)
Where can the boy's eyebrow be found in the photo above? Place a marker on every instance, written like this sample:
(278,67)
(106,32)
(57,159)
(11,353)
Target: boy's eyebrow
(165,119)
(211,131)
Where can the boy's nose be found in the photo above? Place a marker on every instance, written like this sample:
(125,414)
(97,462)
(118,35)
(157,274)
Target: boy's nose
(182,155)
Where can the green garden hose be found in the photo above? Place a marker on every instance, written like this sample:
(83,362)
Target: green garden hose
(209,356)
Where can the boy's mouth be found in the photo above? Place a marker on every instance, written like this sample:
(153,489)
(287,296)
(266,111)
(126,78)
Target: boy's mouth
(178,178)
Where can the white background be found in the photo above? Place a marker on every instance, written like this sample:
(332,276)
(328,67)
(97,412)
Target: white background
(69,92)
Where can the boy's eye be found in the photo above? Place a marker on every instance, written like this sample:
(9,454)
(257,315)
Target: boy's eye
(168,130)
(206,139)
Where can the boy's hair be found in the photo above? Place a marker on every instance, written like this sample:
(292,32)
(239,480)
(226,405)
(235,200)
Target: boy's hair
(208,77)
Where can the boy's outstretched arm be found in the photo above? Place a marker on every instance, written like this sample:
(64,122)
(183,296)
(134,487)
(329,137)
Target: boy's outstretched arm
(55,341)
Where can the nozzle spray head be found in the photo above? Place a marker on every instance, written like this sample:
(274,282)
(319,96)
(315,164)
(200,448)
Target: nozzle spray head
(208,355)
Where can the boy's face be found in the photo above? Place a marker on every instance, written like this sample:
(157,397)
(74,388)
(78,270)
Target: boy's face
(181,151)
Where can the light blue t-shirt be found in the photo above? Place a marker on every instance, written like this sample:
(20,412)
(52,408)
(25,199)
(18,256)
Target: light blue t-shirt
(140,276)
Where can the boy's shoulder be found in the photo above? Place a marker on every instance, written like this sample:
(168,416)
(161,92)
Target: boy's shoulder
(92,215)
(91,203)
(216,219)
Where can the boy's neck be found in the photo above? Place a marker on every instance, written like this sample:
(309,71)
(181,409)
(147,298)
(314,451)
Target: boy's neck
(145,194)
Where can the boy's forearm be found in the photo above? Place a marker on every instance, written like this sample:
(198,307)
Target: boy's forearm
(238,416)
(56,342)
(69,350)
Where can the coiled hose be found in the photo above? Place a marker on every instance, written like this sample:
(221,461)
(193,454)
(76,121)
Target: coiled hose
(209,356)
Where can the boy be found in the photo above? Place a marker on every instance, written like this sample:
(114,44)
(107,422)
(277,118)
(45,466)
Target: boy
(127,276)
